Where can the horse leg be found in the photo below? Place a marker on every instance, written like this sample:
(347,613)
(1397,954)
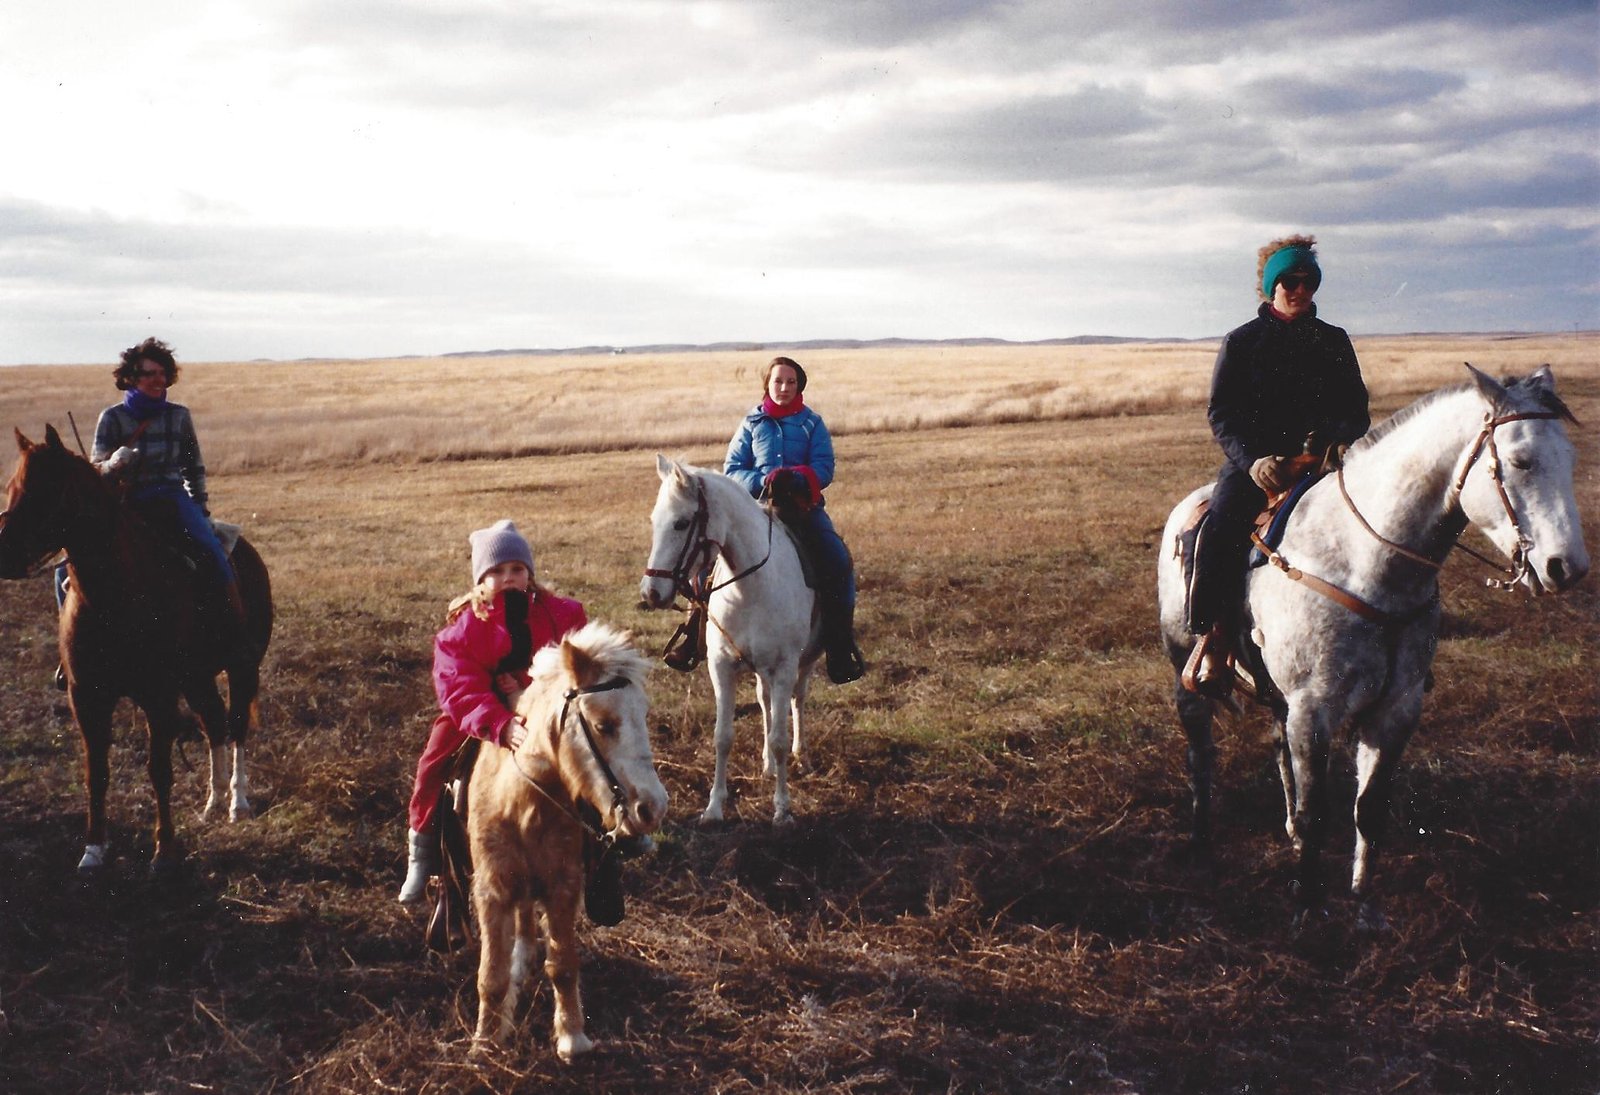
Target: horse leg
(775,710)
(1194,714)
(1308,739)
(207,705)
(561,966)
(495,922)
(1280,748)
(164,722)
(244,686)
(723,683)
(93,716)
(802,684)
(1377,756)
(769,767)
(525,952)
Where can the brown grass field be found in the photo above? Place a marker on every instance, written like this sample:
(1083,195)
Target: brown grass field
(987,889)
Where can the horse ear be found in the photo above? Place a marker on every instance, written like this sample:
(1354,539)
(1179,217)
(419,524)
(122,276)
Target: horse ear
(23,444)
(580,666)
(1544,378)
(663,467)
(1491,388)
(52,438)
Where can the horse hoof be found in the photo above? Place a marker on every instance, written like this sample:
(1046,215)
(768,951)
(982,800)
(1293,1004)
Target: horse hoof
(569,1046)
(242,811)
(785,820)
(711,816)
(93,861)
(165,866)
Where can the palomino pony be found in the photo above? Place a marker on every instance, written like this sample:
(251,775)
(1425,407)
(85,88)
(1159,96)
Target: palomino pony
(762,616)
(1341,630)
(587,743)
(130,627)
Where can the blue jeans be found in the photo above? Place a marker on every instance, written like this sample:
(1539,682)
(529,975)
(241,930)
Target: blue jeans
(1224,551)
(196,525)
(838,575)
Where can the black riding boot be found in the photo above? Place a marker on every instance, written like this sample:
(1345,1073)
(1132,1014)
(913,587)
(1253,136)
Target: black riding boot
(845,663)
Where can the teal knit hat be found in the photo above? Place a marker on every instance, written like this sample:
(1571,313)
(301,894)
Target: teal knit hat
(1297,256)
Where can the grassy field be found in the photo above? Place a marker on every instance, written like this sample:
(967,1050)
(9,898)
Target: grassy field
(987,888)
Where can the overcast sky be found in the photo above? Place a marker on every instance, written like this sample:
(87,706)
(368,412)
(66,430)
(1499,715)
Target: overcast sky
(277,178)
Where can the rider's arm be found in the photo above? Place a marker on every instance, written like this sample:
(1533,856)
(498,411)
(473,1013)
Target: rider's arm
(464,654)
(194,470)
(740,464)
(1232,408)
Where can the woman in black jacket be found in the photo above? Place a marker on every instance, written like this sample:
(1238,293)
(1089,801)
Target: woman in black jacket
(1285,383)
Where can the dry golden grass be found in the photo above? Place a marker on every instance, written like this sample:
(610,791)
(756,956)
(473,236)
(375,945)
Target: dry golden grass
(285,415)
(987,888)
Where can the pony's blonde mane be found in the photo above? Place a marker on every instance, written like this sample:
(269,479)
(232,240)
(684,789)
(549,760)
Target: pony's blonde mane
(609,647)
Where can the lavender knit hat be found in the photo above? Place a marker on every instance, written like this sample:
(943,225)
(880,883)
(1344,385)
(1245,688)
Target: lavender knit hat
(499,543)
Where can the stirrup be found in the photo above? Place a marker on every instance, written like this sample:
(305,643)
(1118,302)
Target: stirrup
(1209,671)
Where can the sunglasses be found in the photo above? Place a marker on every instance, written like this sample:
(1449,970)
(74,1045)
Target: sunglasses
(151,372)
(1295,282)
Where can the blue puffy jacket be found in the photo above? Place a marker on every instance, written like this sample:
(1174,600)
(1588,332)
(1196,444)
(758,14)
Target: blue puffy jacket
(763,444)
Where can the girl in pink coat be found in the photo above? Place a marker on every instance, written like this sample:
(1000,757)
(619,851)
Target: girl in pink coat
(479,659)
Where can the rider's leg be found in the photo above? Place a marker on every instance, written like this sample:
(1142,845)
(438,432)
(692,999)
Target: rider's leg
(1217,594)
(838,580)
(229,606)
(422,837)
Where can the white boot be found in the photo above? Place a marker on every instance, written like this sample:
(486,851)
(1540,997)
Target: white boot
(422,863)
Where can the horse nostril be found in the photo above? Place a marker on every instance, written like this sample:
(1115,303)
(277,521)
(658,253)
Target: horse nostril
(1557,570)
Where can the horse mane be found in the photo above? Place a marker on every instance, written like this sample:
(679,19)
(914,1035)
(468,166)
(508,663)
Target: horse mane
(1406,414)
(609,647)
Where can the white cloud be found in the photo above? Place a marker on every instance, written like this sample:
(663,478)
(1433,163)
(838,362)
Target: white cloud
(294,179)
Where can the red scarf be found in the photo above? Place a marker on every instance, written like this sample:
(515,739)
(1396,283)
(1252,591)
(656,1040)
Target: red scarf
(772,410)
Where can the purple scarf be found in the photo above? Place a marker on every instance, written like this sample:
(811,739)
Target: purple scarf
(140,405)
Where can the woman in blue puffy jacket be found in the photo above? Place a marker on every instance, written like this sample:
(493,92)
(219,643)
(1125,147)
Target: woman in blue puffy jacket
(782,449)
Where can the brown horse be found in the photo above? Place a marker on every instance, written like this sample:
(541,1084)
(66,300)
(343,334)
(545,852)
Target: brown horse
(131,627)
(588,742)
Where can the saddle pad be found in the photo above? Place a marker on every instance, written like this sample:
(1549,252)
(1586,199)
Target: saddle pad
(1280,519)
(808,566)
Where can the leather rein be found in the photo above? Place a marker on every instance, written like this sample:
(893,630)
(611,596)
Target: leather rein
(606,837)
(1519,555)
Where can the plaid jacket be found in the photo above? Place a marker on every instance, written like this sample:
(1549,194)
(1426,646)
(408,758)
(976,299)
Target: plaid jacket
(168,449)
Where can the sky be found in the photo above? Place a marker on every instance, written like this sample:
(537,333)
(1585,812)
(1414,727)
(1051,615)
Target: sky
(318,178)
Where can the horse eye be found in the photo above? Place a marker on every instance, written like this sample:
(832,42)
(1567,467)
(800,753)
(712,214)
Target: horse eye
(1521,463)
(680,524)
(607,728)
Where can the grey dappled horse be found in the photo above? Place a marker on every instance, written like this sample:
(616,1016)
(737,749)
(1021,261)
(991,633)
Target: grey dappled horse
(1492,455)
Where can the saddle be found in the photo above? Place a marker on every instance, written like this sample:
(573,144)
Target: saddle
(1269,527)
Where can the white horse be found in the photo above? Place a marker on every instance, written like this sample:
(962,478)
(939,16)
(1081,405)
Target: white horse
(762,617)
(1341,630)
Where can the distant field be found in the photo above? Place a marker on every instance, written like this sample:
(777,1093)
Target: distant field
(284,415)
(987,888)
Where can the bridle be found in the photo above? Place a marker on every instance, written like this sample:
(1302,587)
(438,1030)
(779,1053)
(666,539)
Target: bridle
(1485,443)
(1515,573)
(698,553)
(569,706)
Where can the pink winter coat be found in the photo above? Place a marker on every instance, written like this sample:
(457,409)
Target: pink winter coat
(466,652)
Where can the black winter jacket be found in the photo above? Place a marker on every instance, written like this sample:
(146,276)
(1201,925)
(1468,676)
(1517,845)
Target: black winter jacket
(1276,382)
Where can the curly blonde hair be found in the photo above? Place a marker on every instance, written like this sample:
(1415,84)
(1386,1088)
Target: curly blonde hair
(1270,249)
